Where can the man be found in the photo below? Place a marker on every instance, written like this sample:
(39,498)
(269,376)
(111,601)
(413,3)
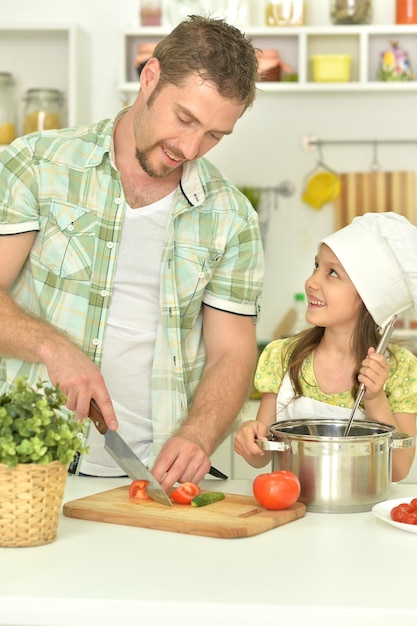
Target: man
(130,268)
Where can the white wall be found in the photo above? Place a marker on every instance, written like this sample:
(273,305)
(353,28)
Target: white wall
(266,146)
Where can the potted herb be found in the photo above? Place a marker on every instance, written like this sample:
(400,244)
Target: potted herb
(38,440)
(253,194)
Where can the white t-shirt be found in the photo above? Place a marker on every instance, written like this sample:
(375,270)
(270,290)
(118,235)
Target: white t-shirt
(130,337)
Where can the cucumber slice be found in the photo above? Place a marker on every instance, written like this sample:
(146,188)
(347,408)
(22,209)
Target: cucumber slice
(207,498)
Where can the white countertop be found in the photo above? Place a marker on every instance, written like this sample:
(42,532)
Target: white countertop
(345,569)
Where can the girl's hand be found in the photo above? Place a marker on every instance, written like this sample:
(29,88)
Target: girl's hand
(373,373)
(244,443)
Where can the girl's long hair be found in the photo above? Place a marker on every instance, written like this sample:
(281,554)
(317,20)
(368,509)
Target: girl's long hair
(365,334)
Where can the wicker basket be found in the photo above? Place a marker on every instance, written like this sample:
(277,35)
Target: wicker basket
(31,497)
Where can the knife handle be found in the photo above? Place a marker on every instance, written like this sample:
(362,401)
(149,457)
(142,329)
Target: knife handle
(217,473)
(96,416)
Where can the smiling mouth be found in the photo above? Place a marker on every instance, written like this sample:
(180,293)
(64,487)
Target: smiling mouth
(316,303)
(172,156)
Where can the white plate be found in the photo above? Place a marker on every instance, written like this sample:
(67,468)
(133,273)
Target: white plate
(382,510)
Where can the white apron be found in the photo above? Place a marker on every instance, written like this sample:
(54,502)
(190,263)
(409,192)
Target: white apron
(308,408)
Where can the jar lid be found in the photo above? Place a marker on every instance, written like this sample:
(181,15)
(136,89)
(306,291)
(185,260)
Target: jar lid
(45,92)
(6,77)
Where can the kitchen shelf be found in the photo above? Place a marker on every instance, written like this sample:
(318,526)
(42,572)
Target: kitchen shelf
(296,45)
(48,56)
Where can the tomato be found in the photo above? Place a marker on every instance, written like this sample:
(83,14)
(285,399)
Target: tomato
(276,490)
(405,512)
(398,514)
(410,518)
(184,493)
(404,506)
(137,490)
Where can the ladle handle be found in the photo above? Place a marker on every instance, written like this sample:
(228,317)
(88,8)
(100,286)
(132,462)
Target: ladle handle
(381,347)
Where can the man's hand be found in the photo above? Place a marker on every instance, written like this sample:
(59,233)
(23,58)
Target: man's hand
(180,460)
(80,379)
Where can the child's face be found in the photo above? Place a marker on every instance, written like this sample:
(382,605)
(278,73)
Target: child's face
(331,296)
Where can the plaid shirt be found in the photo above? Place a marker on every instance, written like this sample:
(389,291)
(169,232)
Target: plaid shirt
(64,184)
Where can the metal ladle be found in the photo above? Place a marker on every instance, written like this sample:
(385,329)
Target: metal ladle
(383,342)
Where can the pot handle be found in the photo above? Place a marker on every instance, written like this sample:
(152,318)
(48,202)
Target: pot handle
(402,440)
(272,446)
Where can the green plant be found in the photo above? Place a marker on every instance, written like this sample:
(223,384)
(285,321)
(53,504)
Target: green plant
(35,429)
(253,194)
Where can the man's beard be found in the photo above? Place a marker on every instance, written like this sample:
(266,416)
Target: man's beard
(144,161)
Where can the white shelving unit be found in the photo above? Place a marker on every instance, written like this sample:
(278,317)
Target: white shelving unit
(296,45)
(51,56)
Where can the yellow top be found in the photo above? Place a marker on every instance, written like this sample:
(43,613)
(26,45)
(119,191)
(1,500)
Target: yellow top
(401,386)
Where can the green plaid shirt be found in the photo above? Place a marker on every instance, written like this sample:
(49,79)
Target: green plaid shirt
(64,184)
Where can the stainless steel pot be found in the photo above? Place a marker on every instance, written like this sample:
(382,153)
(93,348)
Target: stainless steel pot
(337,474)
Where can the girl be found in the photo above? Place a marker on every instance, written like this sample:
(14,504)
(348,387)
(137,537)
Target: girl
(364,274)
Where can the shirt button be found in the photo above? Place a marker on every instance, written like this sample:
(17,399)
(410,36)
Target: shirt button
(110,244)
(70,227)
(201,274)
(96,342)
(118,200)
(104,293)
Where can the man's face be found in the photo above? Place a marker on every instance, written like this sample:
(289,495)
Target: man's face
(181,124)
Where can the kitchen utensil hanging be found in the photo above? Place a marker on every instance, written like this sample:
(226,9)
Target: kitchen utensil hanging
(374,190)
(321,184)
(265,200)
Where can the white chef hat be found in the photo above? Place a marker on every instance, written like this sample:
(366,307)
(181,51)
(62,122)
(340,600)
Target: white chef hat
(379,253)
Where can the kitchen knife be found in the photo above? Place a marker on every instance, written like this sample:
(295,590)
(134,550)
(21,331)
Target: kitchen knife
(126,458)
(217,473)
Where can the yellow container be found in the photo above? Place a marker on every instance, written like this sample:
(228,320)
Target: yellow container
(329,68)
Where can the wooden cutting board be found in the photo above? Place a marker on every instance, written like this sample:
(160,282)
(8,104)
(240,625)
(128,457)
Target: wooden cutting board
(363,192)
(234,516)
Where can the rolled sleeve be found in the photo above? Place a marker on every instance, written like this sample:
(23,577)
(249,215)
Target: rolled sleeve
(19,212)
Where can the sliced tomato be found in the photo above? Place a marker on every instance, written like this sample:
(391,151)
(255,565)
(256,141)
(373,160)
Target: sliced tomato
(137,490)
(185,493)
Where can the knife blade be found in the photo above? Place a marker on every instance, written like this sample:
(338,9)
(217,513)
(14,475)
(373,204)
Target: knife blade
(126,458)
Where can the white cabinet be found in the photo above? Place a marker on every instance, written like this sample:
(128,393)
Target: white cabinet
(50,56)
(296,46)
(225,458)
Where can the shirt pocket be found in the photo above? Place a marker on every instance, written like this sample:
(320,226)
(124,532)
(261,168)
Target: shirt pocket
(67,246)
(194,268)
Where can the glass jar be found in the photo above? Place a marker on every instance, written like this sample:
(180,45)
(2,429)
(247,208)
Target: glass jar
(178,10)
(8,108)
(150,13)
(351,11)
(284,13)
(43,110)
(406,12)
(236,12)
